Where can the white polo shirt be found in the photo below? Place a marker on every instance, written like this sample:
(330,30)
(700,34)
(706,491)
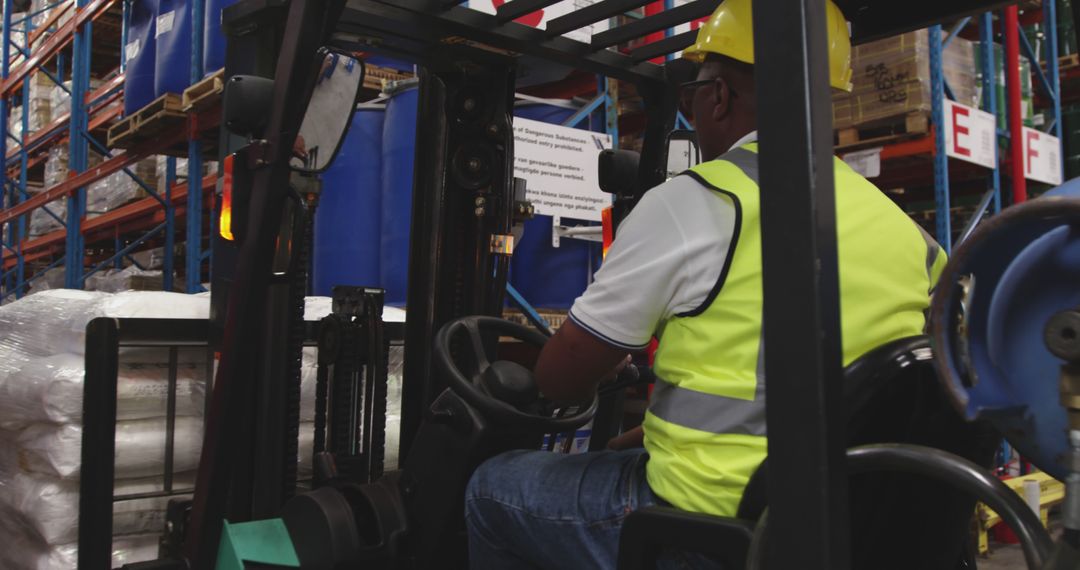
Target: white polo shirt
(666,258)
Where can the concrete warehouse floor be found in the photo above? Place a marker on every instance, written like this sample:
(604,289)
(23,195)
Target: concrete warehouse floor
(1011,556)
(1003,557)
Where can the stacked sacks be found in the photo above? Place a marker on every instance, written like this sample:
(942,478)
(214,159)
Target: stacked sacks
(42,345)
(42,340)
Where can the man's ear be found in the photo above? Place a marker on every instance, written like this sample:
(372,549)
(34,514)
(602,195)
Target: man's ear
(721,100)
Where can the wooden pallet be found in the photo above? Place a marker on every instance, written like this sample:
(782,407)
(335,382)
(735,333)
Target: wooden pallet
(884,130)
(1068,62)
(376,77)
(204,93)
(554,318)
(161,114)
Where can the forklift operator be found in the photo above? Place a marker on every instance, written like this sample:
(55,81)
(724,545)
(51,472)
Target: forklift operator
(686,268)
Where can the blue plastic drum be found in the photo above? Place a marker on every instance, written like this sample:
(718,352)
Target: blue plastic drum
(213,37)
(172,72)
(139,54)
(399,151)
(347,221)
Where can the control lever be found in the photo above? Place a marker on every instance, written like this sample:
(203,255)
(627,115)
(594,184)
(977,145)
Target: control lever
(631,375)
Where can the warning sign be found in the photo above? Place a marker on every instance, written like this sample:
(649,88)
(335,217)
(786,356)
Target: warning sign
(970,134)
(559,164)
(1042,157)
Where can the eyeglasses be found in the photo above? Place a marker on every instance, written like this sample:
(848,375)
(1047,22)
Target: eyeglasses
(686,93)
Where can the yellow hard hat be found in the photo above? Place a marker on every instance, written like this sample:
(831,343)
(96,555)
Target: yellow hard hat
(730,32)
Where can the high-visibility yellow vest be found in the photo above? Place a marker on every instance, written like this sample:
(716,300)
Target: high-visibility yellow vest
(705,427)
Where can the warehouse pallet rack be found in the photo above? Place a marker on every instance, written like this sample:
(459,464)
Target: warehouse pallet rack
(130,227)
(922,160)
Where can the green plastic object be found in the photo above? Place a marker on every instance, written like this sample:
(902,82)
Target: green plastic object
(262,542)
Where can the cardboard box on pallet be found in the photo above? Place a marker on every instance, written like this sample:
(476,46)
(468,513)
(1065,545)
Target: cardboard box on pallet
(891,78)
(119,188)
(51,218)
(40,100)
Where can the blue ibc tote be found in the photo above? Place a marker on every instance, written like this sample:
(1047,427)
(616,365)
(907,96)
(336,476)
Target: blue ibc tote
(213,38)
(347,219)
(399,151)
(139,55)
(547,276)
(172,72)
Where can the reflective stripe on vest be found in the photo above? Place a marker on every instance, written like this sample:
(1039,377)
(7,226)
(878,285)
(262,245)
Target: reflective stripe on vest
(709,412)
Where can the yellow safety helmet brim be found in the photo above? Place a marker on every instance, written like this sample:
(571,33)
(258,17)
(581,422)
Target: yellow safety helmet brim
(730,32)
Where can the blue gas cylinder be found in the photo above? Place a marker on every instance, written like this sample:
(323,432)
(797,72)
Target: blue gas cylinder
(139,56)
(172,72)
(991,310)
(346,249)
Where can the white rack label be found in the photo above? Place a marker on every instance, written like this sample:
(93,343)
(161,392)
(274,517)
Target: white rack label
(1042,157)
(970,134)
(165,23)
(131,51)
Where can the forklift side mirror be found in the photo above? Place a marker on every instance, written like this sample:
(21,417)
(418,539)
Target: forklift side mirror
(329,112)
(682,152)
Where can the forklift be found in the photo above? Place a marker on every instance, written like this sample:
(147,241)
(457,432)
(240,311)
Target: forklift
(461,403)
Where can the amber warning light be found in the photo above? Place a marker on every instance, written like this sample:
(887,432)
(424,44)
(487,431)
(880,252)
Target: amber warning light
(225,222)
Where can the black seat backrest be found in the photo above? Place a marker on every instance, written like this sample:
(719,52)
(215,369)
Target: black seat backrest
(892,396)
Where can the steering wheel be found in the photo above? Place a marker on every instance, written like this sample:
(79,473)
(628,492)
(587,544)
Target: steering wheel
(503,391)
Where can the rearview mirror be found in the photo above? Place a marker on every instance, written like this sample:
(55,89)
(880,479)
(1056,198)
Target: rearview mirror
(682,152)
(329,112)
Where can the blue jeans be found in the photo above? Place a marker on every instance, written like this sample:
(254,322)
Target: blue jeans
(537,509)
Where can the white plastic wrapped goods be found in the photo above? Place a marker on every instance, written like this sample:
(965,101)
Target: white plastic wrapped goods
(49,506)
(29,327)
(54,321)
(125,550)
(50,389)
(395,373)
(308,378)
(315,308)
(15,129)
(309,371)
(48,218)
(305,448)
(127,279)
(55,450)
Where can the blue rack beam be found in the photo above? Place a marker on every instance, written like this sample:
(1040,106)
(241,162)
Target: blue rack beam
(943,219)
(78,151)
(989,89)
(193,245)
